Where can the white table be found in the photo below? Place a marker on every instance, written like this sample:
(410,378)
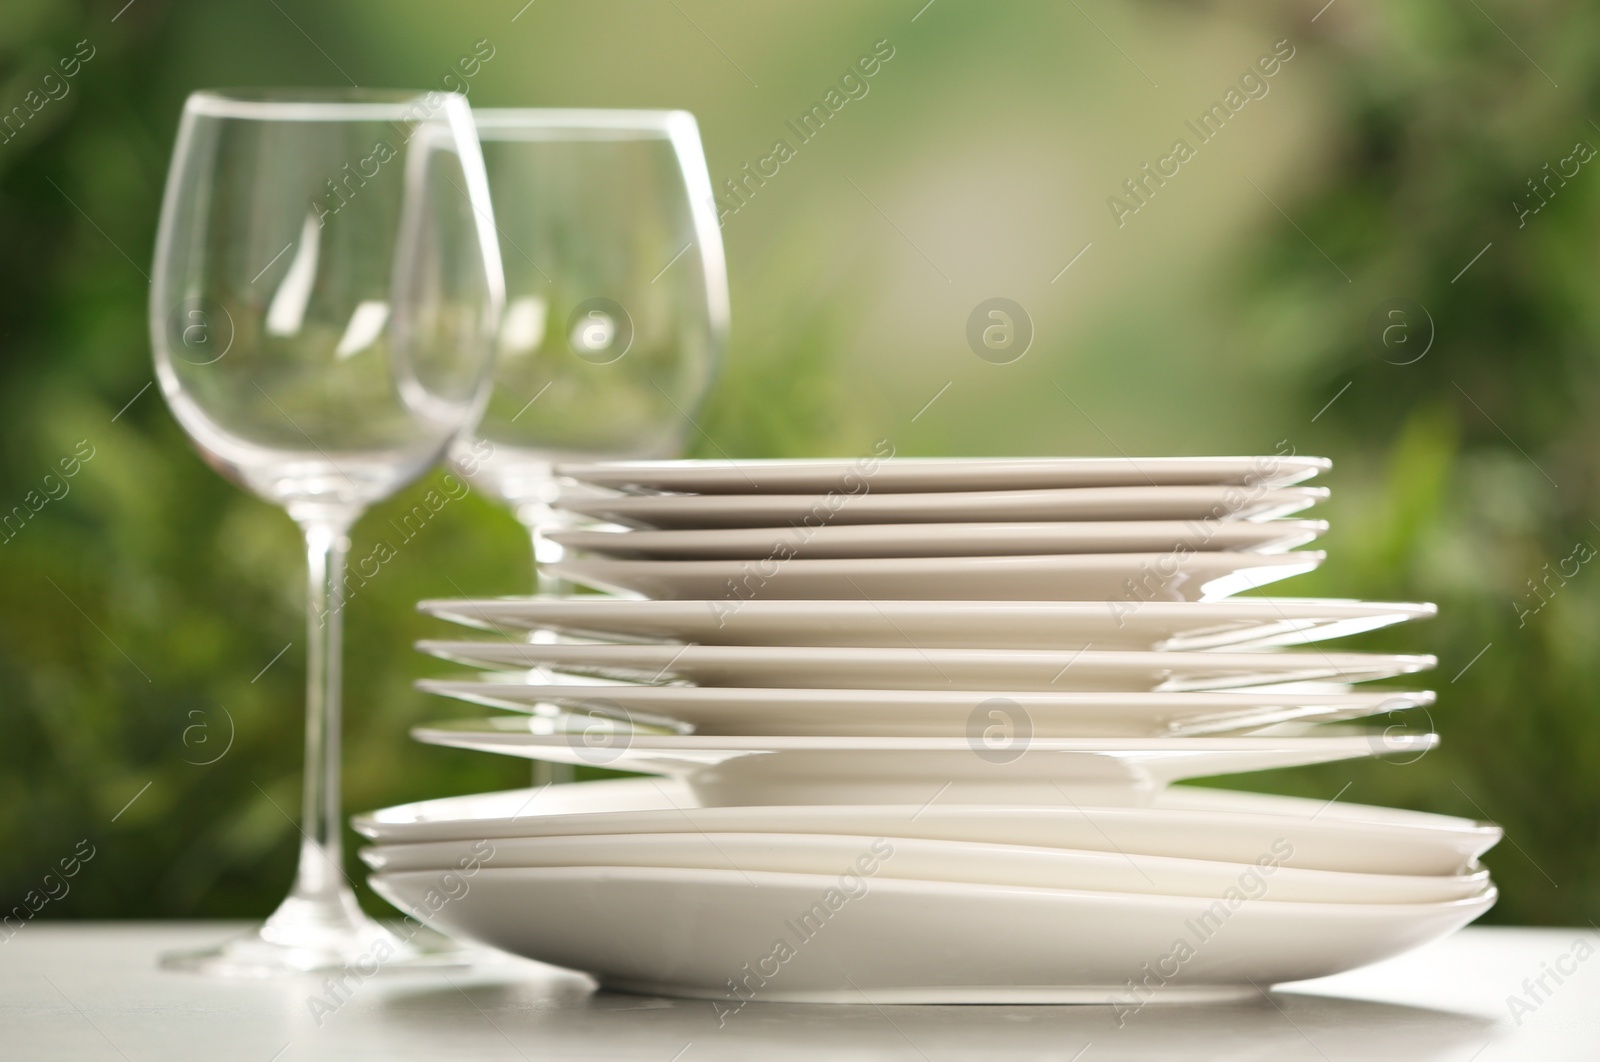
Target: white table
(92,991)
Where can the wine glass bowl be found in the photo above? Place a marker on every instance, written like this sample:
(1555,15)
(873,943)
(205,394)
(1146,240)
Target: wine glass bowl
(323,308)
(316,284)
(617,303)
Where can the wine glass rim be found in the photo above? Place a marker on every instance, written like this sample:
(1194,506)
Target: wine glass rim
(320,104)
(579,123)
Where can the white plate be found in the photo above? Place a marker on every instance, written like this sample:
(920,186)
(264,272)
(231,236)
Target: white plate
(1184,821)
(919,859)
(1130,577)
(715,710)
(1070,625)
(904,474)
(1080,503)
(947,540)
(850,939)
(1006,670)
(997,767)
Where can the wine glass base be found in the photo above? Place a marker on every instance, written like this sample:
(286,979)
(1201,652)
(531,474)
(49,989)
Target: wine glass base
(252,955)
(305,936)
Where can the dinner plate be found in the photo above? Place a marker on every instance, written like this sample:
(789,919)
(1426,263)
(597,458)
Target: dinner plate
(721,710)
(947,540)
(999,670)
(1071,625)
(977,863)
(1183,821)
(1131,577)
(734,936)
(1002,766)
(905,474)
(814,510)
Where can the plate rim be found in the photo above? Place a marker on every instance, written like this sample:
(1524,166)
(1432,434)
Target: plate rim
(821,882)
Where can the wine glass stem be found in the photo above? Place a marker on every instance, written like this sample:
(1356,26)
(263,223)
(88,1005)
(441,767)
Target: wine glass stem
(540,519)
(320,877)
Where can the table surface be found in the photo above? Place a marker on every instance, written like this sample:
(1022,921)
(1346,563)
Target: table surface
(91,990)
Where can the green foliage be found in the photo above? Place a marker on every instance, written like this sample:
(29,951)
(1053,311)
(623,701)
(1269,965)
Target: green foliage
(1468,477)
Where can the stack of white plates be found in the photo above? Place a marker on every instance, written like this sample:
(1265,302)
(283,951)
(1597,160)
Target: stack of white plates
(919,722)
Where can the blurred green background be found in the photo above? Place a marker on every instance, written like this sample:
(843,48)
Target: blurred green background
(1389,159)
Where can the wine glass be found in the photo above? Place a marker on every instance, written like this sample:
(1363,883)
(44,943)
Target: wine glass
(617,299)
(326,291)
